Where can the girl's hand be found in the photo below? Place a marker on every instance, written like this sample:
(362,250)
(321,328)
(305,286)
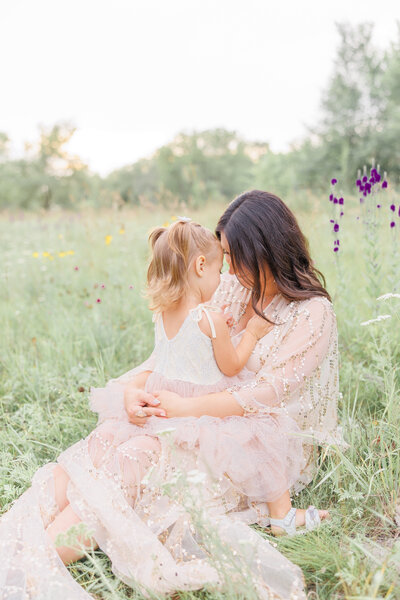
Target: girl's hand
(136,399)
(227,315)
(173,404)
(259,327)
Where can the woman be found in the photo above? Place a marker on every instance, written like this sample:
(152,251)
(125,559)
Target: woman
(165,541)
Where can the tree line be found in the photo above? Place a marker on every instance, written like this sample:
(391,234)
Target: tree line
(359,124)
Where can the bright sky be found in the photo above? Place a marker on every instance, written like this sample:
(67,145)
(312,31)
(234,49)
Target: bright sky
(130,74)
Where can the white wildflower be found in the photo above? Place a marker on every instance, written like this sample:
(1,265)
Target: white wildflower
(388,296)
(380,318)
(196,476)
(166,431)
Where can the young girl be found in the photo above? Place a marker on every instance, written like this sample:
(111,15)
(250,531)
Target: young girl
(193,347)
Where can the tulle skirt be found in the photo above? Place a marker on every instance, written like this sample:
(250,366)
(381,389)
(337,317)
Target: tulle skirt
(261,455)
(169,503)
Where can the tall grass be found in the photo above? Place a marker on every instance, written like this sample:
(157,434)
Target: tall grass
(75,317)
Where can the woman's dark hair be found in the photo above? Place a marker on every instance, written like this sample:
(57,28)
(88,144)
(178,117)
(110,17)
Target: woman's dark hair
(261,229)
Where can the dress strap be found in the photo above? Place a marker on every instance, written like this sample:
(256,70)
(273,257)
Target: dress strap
(198,311)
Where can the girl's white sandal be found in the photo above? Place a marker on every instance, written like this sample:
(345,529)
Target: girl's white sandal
(288,523)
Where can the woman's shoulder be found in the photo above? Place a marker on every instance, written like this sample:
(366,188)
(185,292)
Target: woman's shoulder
(317,304)
(318,310)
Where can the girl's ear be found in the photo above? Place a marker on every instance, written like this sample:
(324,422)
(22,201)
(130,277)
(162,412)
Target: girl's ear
(199,265)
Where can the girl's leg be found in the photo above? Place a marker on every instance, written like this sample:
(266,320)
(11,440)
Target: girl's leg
(130,463)
(61,524)
(99,443)
(61,480)
(279,509)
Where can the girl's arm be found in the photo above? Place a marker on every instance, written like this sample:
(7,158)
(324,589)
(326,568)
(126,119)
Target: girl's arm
(229,359)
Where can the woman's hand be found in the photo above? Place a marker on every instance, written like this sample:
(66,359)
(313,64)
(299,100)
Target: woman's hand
(136,400)
(174,404)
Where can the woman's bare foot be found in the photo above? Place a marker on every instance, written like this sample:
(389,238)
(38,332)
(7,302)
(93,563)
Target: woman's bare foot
(300,520)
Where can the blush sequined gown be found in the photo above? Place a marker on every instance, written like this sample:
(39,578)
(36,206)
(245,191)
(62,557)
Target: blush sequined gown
(166,500)
(203,481)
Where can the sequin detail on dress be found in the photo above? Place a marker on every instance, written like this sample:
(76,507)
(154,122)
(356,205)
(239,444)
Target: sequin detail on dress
(145,524)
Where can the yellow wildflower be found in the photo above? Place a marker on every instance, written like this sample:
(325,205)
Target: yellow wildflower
(121,231)
(108,239)
(62,254)
(60,236)
(174,218)
(46,254)
(70,252)
(166,224)
(35,254)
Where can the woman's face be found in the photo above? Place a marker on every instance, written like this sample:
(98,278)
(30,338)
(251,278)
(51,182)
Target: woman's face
(267,280)
(227,254)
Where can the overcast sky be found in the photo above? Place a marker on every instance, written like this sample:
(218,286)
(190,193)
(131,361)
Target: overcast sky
(130,74)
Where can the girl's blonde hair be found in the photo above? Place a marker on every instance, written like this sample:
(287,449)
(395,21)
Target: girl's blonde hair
(173,249)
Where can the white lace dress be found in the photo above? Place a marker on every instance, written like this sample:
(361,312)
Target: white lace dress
(202,482)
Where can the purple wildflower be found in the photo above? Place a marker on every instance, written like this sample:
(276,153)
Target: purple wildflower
(331,197)
(335,201)
(384,184)
(331,221)
(378,206)
(341,201)
(392,207)
(358,182)
(392,224)
(365,178)
(336,227)
(334,181)
(336,249)
(341,213)
(98,300)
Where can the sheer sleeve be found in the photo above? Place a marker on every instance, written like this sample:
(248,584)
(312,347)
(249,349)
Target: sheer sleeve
(298,372)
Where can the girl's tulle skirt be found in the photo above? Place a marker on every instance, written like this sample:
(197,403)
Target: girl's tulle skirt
(261,455)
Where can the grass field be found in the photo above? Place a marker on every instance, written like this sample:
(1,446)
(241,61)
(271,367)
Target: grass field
(72,315)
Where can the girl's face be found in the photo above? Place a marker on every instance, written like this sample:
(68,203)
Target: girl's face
(211,277)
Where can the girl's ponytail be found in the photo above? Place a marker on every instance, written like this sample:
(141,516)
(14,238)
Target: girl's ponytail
(173,249)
